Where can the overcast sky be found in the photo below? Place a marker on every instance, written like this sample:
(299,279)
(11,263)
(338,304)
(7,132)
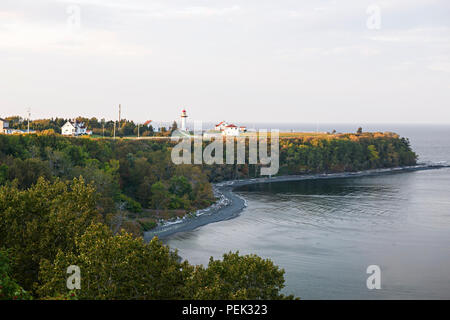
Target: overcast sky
(349,61)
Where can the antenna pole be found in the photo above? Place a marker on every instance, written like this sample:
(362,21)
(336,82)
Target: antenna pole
(29,115)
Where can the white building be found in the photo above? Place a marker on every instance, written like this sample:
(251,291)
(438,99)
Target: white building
(221,126)
(156,127)
(4,125)
(74,128)
(229,129)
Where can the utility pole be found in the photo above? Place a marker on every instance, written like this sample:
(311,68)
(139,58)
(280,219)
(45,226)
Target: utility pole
(118,124)
(29,115)
(138,130)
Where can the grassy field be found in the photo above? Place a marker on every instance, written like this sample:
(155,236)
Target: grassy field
(282,135)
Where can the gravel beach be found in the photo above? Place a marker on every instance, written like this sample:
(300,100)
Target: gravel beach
(230,205)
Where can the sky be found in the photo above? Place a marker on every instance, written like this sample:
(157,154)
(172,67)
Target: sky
(347,61)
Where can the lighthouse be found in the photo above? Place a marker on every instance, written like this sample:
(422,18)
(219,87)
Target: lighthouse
(183,120)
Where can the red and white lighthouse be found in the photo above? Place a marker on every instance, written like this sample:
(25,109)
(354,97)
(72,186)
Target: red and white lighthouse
(183,120)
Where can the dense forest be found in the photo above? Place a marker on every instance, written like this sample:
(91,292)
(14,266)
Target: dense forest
(84,201)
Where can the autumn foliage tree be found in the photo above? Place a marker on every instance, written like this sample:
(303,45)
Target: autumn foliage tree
(38,222)
(117,267)
(237,277)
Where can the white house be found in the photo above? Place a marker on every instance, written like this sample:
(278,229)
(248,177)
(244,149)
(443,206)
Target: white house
(229,129)
(221,126)
(155,126)
(4,128)
(4,125)
(74,128)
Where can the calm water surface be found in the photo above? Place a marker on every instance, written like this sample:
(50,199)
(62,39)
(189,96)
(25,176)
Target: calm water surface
(325,233)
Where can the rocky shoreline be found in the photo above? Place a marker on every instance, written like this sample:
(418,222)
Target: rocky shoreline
(230,205)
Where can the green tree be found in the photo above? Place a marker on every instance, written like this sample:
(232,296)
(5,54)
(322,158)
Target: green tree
(180,186)
(3,173)
(117,267)
(174,126)
(37,222)
(27,171)
(373,153)
(160,196)
(237,277)
(9,289)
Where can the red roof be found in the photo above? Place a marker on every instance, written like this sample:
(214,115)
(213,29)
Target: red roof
(146,123)
(219,123)
(231,126)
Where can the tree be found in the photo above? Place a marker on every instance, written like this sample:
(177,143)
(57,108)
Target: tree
(179,186)
(28,171)
(9,289)
(373,153)
(123,267)
(3,173)
(174,126)
(359,131)
(160,196)
(237,277)
(117,267)
(37,222)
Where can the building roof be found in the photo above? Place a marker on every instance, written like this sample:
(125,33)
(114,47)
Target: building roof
(1,119)
(231,126)
(146,123)
(223,122)
(76,124)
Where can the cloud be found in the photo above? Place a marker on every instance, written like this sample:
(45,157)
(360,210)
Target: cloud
(440,66)
(32,30)
(440,63)
(191,12)
(362,50)
(18,34)
(403,4)
(265,52)
(430,35)
(160,10)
